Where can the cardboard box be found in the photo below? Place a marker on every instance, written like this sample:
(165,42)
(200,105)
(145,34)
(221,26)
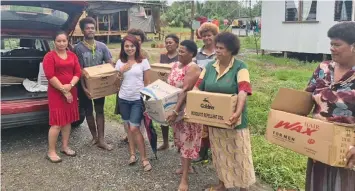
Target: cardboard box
(288,126)
(161,99)
(160,72)
(100,80)
(213,109)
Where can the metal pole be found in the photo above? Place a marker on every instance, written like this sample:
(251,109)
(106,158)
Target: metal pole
(192,37)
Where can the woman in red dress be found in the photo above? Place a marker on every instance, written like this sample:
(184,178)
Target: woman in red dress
(62,70)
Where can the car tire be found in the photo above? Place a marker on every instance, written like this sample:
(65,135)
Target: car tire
(81,120)
(78,123)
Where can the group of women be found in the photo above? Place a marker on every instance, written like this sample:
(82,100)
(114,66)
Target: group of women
(215,68)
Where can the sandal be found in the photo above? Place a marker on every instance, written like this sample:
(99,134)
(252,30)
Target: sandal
(147,167)
(69,154)
(133,160)
(53,161)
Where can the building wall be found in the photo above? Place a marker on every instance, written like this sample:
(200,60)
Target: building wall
(296,37)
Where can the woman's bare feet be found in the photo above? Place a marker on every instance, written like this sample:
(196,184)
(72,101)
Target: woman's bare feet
(183,186)
(104,145)
(93,141)
(163,147)
(179,171)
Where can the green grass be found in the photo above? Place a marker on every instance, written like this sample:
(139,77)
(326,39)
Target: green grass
(250,42)
(275,165)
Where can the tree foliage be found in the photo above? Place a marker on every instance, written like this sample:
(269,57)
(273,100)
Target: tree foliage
(179,13)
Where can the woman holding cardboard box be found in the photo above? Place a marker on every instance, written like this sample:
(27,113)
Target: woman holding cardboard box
(62,70)
(187,136)
(135,72)
(206,54)
(333,89)
(231,150)
(171,45)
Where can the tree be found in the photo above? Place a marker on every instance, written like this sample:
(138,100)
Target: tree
(178,14)
(255,10)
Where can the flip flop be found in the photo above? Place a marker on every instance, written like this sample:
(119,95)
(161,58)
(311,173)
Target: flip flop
(71,155)
(53,161)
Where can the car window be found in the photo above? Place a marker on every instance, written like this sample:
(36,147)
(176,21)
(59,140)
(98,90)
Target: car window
(51,44)
(17,43)
(23,47)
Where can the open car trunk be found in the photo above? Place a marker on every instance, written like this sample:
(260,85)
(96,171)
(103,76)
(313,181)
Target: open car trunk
(13,72)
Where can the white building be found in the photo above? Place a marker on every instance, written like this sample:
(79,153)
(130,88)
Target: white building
(302,26)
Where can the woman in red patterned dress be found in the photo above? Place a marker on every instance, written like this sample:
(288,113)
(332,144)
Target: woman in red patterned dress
(62,70)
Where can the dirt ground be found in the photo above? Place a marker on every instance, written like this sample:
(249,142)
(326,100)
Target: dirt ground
(24,167)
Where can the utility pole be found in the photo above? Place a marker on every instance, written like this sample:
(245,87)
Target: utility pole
(250,12)
(192,37)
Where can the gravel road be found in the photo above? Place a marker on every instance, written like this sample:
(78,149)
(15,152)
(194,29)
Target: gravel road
(24,167)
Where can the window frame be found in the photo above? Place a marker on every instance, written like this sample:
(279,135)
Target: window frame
(352,9)
(300,11)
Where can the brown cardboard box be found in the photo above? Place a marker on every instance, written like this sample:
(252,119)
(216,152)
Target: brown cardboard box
(289,127)
(100,80)
(213,109)
(160,71)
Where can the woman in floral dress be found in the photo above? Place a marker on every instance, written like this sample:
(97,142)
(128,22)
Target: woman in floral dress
(187,136)
(333,89)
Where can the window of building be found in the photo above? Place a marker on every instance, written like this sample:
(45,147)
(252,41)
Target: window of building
(300,10)
(344,10)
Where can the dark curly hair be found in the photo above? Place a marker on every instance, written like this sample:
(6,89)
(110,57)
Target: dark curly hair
(190,46)
(85,21)
(230,41)
(137,32)
(344,31)
(174,37)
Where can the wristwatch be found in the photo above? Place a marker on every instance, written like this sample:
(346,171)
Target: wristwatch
(72,85)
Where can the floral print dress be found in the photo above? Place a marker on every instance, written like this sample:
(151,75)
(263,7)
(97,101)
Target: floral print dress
(187,136)
(335,102)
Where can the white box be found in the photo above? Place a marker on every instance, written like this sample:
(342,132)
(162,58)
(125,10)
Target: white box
(160,99)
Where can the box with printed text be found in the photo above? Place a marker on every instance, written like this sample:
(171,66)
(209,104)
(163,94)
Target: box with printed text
(212,109)
(160,99)
(288,126)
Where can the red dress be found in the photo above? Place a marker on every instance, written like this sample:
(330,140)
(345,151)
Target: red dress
(61,112)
